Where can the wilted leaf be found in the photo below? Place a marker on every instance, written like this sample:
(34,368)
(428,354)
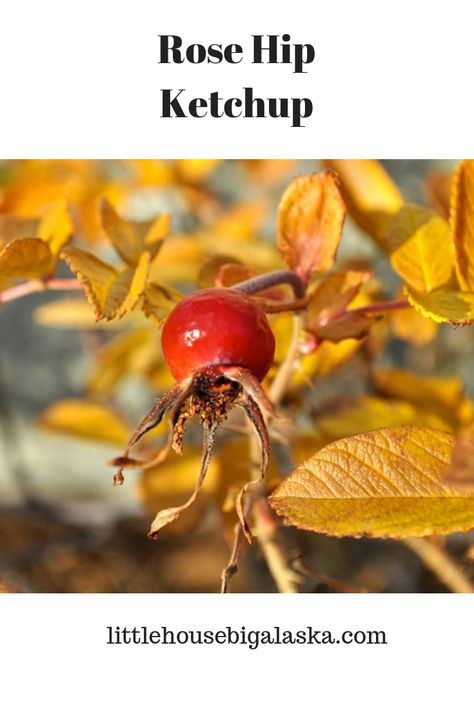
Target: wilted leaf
(85,419)
(131,239)
(384,483)
(158,301)
(420,247)
(309,226)
(25,259)
(369,192)
(110,292)
(442,306)
(461,220)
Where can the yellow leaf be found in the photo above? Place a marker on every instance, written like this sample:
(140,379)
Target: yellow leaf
(241,221)
(85,419)
(25,259)
(454,307)
(130,353)
(196,170)
(383,483)
(309,225)
(110,292)
(446,392)
(70,313)
(420,247)
(158,301)
(327,358)
(407,324)
(369,192)
(362,413)
(56,227)
(131,238)
(137,285)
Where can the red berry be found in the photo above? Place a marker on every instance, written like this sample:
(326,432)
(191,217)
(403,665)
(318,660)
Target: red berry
(217,326)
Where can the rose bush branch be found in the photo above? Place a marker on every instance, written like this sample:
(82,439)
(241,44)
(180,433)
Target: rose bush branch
(36,285)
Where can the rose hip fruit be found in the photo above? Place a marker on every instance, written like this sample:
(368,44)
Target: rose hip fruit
(217,326)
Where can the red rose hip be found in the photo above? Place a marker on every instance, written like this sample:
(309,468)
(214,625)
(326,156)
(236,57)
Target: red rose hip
(217,326)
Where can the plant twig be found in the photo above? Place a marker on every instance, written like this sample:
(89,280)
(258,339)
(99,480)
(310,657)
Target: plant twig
(286,579)
(289,364)
(233,564)
(378,307)
(36,285)
(440,562)
(328,581)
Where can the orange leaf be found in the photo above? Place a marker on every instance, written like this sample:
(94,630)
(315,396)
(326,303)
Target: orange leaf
(462,222)
(25,259)
(460,472)
(349,325)
(438,188)
(371,195)
(309,225)
(13,227)
(333,295)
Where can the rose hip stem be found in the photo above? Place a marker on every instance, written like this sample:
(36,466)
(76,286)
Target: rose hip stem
(274,278)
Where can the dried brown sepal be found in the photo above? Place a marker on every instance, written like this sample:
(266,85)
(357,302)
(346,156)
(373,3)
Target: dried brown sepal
(254,414)
(169,515)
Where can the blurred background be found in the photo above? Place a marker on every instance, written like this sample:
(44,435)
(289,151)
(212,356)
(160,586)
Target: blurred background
(63,527)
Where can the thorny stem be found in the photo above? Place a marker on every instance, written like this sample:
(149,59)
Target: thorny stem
(440,562)
(35,285)
(273,278)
